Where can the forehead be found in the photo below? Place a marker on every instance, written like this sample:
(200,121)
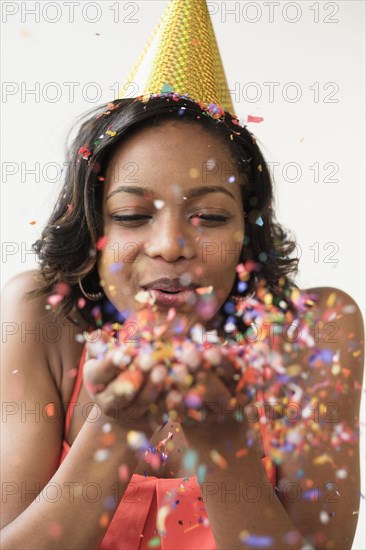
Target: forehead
(173,150)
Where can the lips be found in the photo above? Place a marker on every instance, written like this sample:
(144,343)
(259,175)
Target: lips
(170,292)
(168,284)
(176,299)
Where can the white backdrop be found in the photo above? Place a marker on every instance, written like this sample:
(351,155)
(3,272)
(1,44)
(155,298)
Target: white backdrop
(299,65)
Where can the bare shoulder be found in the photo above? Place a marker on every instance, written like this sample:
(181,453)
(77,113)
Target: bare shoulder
(328,454)
(22,316)
(18,285)
(32,423)
(338,334)
(33,329)
(341,325)
(329,297)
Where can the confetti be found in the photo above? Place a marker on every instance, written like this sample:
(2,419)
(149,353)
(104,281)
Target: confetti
(260,364)
(136,440)
(54,529)
(104,520)
(50,409)
(158,374)
(216,111)
(155,542)
(62,288)
(211,164)
(218,459)
(256,541)
(81,303)
(158,204)
(102,243)
(123,472)
(190,459)
(193,173)
(128,383)
(55,299)
(204,290)
(116,267)
(324,517)
(256,119)
(161,518)
(84,152)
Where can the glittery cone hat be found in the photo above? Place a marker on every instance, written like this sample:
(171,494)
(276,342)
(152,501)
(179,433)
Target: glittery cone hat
(182,56)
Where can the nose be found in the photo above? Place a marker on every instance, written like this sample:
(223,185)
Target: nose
(169,239)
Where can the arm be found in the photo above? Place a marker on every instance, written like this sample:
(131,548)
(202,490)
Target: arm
(43,505)
(242,507)
(328,520)
(330,458)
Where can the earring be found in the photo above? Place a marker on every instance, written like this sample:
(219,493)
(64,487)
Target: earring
(93,296)
(236,298)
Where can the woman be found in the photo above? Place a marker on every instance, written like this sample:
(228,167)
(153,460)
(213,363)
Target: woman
(166,188)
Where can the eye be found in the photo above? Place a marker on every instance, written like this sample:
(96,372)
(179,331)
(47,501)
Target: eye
(211,218)
(132,218)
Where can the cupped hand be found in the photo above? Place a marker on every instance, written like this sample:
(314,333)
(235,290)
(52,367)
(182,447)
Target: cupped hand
(208,389)
(122,394)
(216,392)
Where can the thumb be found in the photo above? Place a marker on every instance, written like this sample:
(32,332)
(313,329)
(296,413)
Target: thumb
(97,343)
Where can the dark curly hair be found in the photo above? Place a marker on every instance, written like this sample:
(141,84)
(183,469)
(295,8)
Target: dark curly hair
(67,250)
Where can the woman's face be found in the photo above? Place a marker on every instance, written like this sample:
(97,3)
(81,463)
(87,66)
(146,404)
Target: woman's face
(169,178)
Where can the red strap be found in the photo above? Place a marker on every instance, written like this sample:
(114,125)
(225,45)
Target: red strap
(263,422)
(75,393)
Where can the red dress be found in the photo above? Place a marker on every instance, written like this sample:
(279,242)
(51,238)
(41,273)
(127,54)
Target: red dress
(134,521)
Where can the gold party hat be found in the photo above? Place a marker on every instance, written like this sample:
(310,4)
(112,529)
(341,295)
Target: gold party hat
(182,56)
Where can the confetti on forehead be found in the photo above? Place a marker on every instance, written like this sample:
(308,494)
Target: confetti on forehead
(212,110)
(159,204)
(211,164)
(193,172)
(176,190)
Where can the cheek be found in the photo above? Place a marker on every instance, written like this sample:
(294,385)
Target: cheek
(220,261)
(112,268)
(119,250)
(119,267)
(115,278)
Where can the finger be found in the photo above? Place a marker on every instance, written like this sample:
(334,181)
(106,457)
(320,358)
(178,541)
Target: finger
(173,404)
(108,364)
(137,394)
(118,395)
(224,364)
(98,373)
(97,343)
(217,400)
(228,372)
(214,385)
(149,393)
(127,384)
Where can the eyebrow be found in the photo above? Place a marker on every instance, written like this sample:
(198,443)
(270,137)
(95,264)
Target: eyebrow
(191,194)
